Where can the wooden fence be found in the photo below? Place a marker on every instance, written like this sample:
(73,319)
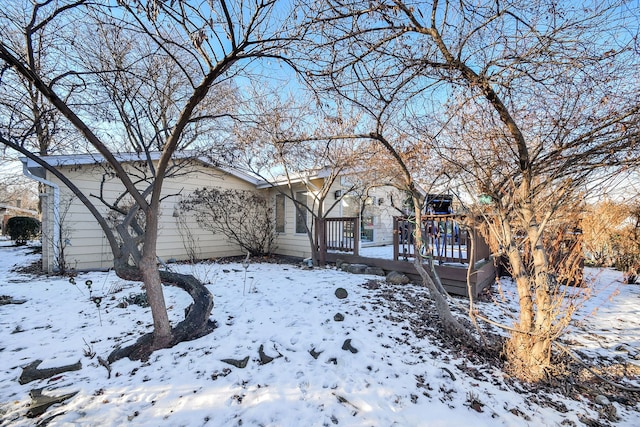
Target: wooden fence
(444,239)
(338,234)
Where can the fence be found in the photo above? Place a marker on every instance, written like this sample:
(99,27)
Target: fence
(444,239)
(338,234)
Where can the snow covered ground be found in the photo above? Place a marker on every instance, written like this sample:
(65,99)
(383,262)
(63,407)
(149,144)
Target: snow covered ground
(394,379)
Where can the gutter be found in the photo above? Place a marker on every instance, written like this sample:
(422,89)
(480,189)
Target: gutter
(56,208)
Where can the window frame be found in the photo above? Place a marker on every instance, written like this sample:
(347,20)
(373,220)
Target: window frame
(302,213)
(280,205)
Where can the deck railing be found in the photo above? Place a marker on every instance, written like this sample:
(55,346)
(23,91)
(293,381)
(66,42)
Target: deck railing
(445,240)
(444,237)
(339,234)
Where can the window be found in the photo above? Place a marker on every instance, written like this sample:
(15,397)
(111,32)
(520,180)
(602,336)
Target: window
(367,225)
(301,212)
(279,213)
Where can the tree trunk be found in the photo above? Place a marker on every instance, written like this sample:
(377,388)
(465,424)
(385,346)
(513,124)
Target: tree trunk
(528,352)
(450,324)
(195,324)
(151,278)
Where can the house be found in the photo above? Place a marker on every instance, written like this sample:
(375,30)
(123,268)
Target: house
(327,196)
(71,234)
(10,210)
(70,230)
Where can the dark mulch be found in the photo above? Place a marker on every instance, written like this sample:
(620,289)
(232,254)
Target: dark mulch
(571,378)
(33,269)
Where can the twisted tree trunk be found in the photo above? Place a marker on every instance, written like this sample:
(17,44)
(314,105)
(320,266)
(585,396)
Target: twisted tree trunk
(195,324)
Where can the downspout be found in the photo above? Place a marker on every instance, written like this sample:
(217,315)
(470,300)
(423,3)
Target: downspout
(56,209)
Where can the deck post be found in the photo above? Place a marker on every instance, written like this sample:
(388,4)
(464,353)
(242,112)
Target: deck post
(356,236)
(396,238)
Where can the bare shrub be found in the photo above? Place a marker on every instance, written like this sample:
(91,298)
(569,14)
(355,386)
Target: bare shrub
(242,216)
(627,246)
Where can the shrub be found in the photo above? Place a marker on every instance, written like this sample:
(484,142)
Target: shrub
(244,217)
(22,229)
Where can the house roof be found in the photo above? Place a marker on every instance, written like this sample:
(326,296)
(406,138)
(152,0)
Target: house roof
(94,159)
(10,208)
(294,178)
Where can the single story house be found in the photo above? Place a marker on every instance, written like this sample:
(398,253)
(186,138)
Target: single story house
(70,230)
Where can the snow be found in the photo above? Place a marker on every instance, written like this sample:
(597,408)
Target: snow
(394,379)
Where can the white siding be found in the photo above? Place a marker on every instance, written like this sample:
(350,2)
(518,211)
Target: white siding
(87,246)
(289,242)
(381,210)
(47,229)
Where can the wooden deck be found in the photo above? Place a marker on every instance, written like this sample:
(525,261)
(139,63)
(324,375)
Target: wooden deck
(446,241)
(454,277)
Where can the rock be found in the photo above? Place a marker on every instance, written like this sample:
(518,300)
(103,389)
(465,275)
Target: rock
(396,278)
(357,269)
(31,371)
(264,359)
(341,293)
(347,346)
(315,353)
(41,402)
(372,285)
(339,317)
(5,299)
(602,400)
(237,363)
(376,271)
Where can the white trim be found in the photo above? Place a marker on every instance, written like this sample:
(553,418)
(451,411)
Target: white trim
(94,159)
(295,178)
(56,208)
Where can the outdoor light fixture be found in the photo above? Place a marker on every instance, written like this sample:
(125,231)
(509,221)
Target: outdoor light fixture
(338,194)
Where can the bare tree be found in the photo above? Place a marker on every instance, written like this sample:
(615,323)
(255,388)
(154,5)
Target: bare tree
(600,223)
(523,102)
(27,115)
(197,48)
(14,191)
(297,147)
